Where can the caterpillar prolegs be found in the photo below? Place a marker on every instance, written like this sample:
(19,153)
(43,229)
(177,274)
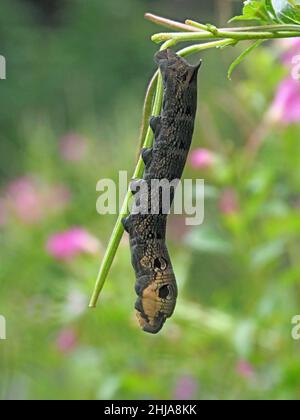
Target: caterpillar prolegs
(173,130)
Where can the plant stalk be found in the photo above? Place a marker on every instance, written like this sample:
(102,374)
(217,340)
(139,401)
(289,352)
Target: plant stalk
(217,34)
(192,26)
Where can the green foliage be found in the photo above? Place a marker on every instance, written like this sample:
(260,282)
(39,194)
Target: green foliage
(80,41)
(242,57)
(238,273)
(255,11)
(286,11)
(270,11)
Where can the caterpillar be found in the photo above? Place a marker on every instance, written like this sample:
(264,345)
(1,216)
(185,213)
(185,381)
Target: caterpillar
(173,130)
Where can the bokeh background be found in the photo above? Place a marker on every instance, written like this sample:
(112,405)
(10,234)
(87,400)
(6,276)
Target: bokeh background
(70,112)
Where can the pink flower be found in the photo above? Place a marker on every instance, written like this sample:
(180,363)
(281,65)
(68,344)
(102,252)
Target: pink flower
(73,147)
(228,202)
(32,202)
(71,243)
(25,200)
(291,48)
(285,108)
(202,158)
(245,370)
(186,388)
(66,341)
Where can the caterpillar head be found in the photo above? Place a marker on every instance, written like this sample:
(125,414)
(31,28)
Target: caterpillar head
(157,298)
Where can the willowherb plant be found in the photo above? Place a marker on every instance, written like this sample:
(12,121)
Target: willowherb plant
(270,19)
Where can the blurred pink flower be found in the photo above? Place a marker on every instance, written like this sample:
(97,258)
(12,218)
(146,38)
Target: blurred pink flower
(32,202)
(202,158)
(71,243)
(285,108)
(25,200)
(186,388)
(228,202)
(66,341)
(291,48)
(73,147)
(3,212)
(245,369)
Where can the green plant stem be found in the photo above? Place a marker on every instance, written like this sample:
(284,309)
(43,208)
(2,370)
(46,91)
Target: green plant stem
(148,108)
(217,34)
(192,26)
(196,25)
(272,28)
(193,49)
(118,231)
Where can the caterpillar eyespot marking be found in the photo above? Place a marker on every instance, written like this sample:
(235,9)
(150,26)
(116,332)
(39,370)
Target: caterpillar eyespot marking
(173,130)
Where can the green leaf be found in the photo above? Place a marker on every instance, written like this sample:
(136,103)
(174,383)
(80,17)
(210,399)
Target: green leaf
(286,11)
(254,10)
(270,9)
(241,57)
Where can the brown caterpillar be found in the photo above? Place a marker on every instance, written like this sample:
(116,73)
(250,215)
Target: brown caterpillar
(173,131)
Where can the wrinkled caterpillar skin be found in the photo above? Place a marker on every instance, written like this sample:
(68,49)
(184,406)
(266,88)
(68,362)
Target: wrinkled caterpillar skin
(173,130)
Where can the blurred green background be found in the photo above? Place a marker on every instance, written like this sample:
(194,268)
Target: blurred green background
(70,112)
